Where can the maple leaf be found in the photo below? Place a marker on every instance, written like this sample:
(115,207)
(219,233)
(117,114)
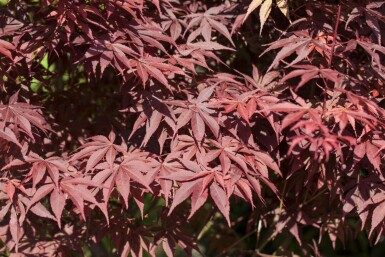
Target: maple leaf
(15,228)
(57,201)
(154,67)
(37,208)
(190,132)
(291,221)
(198,113)
(308,72)
(134,166)
(54,166)
(228,151)
(16,203)
(245,105)
(168,166)
(240,186)
(323,45)
(196,181)
(263,82)
(171,235)
(188,147)
(108,53)
(100,147)
(297,112)
(350,114)
(22,115)
(77,189)
(198,52)
(371,150)
(172,23)
(11,25)
(208,21)
(152,33)
(130,238)
(371,50)
(299,42)
(316,137)
(152,112)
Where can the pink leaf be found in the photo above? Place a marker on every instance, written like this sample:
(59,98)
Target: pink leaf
(220,200)
(57,201)
(123,184)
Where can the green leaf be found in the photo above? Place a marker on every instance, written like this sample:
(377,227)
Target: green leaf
(44,61)
(35,85)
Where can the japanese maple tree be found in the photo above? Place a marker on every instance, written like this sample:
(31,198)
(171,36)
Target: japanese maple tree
(166,127)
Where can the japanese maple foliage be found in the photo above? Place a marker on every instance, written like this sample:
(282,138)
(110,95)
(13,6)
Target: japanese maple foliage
(148,124)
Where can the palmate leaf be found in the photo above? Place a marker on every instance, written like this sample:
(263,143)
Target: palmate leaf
(198,182)
(263,82)
(134,167)
(153,113)
(168,166)
(77,189)
(228,152)
(264,12)
(57,202)
(198,188)
(297,112)
(207,22)
(198,113)
(245,105)
(23,116)
(309,72)
(100,147)
(109,53)
(283,7)
(300,42)
(53,166)
(147,67)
